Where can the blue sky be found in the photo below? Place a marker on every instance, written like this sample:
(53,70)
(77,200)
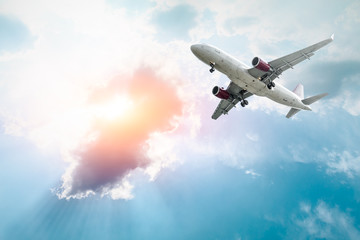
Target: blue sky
(89,91)
(15,34)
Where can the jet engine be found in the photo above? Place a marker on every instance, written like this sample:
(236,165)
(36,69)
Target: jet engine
(261,64)
(221,93)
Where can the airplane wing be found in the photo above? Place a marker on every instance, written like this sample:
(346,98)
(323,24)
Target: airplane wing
(225,106)
(289,61)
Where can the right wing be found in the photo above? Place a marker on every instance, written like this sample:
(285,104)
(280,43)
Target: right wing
(225,106)
(289,61)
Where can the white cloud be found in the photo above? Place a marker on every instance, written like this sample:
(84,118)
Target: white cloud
(165,156)
(235,150)
(343,162)
(349,98)
(347,47)
(342,84)
(299,153)
(305,207)
(336,161)
(12,125)
(252,173)
(351,103)
(323,221)
(123,190)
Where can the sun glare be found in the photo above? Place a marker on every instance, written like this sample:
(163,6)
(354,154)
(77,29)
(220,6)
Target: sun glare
(116,108)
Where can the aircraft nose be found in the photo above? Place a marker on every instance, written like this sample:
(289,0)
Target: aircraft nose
(195,48)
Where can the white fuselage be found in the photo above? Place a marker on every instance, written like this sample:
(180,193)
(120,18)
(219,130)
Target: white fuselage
(237,72)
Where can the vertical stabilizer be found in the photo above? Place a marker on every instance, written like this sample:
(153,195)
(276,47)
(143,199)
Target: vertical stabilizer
(299,90)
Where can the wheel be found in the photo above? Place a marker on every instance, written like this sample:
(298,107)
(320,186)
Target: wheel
(272,84)
(246,102)
(242,104)
(269,86)
(211,70)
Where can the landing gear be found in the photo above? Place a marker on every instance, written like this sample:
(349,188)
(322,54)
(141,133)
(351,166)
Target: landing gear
(244,103)
(212,65)
(271,85)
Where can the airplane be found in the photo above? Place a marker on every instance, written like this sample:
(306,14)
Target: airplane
(258,80)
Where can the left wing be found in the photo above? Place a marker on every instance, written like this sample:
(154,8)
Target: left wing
(225,105)
(281,64)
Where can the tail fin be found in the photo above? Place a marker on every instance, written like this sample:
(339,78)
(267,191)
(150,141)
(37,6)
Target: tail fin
(299,90)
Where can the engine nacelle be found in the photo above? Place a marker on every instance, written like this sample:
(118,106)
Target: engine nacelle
(221,93)
(260,64)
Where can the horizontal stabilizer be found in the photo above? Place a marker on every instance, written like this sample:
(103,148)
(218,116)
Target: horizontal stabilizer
(292,112)
(313,99)
(306,101)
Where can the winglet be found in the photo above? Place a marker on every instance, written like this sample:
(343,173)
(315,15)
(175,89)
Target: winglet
(332,37)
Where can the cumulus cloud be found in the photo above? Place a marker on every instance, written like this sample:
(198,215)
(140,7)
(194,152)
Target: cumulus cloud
(325,222)
(101,164)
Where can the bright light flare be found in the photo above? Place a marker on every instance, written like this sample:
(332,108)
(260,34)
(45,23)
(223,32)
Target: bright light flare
(115,108)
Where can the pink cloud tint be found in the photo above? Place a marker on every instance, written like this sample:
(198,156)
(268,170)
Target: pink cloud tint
(120,144)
